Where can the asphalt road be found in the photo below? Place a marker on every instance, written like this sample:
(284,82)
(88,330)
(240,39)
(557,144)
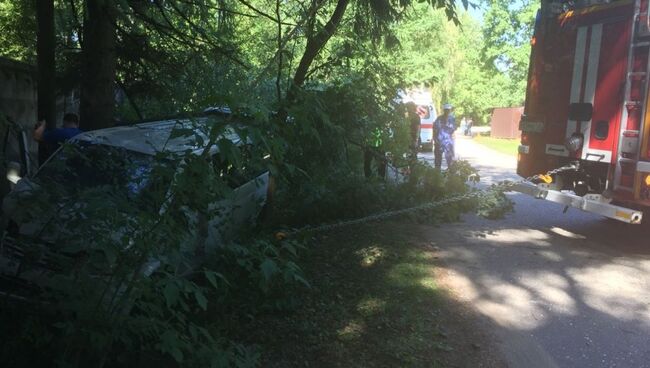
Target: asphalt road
(555,290)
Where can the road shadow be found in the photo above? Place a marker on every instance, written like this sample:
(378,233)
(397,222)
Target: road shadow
(557,287)
(551,295)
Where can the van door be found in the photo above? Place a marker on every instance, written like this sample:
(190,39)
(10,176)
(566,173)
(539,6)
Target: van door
(15,155)
(427,117)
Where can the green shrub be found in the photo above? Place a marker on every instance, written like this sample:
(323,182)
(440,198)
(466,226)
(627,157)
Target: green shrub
(123,283)
(100,308)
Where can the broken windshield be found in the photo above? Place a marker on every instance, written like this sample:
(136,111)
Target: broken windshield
(83,166)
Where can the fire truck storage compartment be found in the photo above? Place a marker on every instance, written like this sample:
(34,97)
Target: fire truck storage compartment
(608,46)
(576,87)
(586,119)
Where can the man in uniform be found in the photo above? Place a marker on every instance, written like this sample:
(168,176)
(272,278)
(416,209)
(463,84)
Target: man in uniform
(374,152)
(413,119)
(443,130)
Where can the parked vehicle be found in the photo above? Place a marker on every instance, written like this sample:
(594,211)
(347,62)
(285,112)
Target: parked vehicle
(586,128)
(427,112)
(428,116)
(124,158)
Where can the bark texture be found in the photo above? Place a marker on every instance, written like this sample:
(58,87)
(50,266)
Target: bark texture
(46,90)
(315,43)
(99,61)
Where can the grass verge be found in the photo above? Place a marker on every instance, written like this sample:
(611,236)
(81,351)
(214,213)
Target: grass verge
(374,302)
(506,146)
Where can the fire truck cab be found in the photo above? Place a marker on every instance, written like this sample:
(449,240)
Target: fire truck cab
(586,125)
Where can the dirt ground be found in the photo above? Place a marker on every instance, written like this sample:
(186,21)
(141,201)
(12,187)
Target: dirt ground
(377,300)
(467,330)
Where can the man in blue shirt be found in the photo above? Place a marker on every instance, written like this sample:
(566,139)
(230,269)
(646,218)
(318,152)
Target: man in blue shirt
(443,130)
(57,136)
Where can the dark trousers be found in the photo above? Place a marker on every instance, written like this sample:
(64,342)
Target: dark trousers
(437,155)
(371,154)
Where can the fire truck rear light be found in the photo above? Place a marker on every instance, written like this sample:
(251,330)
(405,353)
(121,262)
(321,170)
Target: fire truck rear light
(525,139)
(574,142)
(647,180)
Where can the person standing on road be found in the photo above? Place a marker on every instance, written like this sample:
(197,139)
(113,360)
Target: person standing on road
(413,119)
(443,129)
(373,152)
(437,147)
(468,127)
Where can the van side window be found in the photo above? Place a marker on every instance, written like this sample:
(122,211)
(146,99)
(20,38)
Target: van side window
(251,167)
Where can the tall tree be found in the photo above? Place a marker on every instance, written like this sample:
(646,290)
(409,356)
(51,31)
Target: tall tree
(18,28)
(45,46)
(98,65)
(508,29)
(370,19)
(316,40)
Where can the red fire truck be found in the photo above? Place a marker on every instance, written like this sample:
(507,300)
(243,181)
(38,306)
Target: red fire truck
(586,124)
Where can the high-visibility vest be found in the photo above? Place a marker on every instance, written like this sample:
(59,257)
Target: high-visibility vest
(375,139)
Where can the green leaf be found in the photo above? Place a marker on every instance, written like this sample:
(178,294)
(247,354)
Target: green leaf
(268,268)
(110,254)
(301,280)
(201,299)
(290,248)
(177,354)
(171,293)
(213,276)
(169,343)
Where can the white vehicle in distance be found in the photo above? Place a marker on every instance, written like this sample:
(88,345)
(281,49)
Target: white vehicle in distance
(427,112)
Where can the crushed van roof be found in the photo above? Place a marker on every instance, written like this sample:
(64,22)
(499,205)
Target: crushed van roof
(153,137)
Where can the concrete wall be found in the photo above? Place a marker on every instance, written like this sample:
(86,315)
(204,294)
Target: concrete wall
(18,103)
(18,98)
(18,92)
(505,122)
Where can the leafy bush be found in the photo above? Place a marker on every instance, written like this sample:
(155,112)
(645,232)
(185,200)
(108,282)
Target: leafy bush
(124,284)
(494,204)
(342,194)
(132,272)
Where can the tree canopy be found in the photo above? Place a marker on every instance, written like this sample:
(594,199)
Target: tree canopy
(177,55)
(309,82)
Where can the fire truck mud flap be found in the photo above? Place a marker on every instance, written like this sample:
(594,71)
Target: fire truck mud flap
(588,203)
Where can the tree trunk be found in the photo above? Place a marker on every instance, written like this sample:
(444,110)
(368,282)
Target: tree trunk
(315,44)
(98,72)
(46,95)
